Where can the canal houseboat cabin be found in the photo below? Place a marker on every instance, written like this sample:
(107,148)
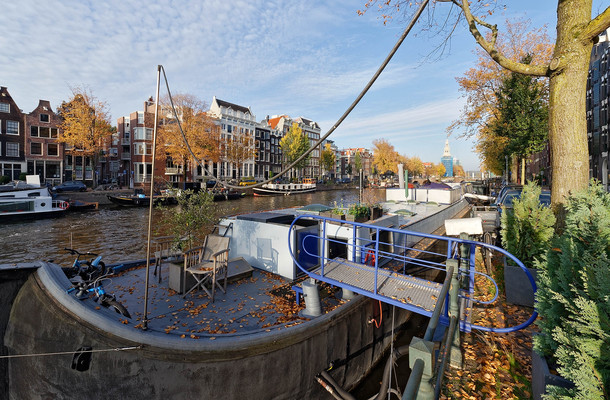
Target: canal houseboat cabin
(20,201)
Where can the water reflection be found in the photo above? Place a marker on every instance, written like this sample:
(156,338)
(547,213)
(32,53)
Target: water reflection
(119,234)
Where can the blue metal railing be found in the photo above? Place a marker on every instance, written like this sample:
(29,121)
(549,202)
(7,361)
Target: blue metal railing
(366,238)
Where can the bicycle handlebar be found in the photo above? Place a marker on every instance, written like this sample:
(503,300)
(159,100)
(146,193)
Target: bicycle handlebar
(72,251)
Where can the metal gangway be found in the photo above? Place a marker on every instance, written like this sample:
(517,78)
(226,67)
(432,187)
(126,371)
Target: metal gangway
(381,263)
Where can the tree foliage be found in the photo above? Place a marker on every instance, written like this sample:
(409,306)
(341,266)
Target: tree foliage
(202,134)
(358,162)
(574,297)
(567,71)
(414,166)
(85,125)
(385,158)
(294,144)
(328,158)
(522,117)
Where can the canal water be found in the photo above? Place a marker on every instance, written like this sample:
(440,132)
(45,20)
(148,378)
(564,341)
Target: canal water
(119,233)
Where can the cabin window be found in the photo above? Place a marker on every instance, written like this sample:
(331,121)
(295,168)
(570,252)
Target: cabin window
(17,206)
(337,248)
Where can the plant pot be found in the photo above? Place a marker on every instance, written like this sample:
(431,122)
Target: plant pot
(356,218)
(326,214)
(337,216)
(376,212)
(517,286)
(542,377)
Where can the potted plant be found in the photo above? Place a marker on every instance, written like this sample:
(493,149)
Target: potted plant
(358,213)
(527,230)
(573,302)
(338,212)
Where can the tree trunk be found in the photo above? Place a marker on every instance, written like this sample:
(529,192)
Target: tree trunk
(567,108)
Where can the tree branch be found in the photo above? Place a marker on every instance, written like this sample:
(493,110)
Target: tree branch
(494,53)
(596,26)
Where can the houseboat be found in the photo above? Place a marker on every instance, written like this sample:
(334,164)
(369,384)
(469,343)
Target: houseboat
(21,201)
(278,189)
(258,338)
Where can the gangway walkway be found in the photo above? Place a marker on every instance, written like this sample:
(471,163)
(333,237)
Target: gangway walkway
(366,269)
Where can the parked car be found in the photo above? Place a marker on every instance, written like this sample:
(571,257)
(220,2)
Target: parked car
(70,186)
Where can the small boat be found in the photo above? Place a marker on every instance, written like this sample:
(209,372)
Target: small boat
(78,205)
(232,195)
(140,200)
(276,189)
(20,201)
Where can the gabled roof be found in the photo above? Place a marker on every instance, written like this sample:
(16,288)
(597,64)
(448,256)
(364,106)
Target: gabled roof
(232,106)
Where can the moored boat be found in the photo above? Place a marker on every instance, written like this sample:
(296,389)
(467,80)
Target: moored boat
(140,200)
(191,345)
(22,201)
(285,189)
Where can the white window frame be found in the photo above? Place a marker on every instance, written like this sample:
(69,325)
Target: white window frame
(7,149)
(9,133)
(138,176)
(49,153)
(41,149)
(8,107)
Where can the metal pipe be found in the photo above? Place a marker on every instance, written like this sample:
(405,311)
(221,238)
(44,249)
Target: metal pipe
(433,323)
(150,205)
(447,345)
(412,387)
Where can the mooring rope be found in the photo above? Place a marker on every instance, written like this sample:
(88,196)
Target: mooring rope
(62,353)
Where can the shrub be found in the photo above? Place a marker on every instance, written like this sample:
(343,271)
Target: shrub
(190,219)
(574,298)
(359,210)
(4,179)
(527,228)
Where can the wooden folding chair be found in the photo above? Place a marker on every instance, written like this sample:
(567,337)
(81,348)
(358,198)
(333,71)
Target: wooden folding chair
(208,263)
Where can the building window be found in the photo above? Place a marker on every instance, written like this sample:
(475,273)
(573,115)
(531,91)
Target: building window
(5,107)
(52,149)
(36,149)
(44,132)
(33,131)
(44,117)
(140,117)
(12,128)
(12,149)
(142,171)
(54,133)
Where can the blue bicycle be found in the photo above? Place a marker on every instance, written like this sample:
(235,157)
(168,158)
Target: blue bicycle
(87,277)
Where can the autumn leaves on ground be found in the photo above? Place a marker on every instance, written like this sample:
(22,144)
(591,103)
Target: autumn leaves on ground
(495,365)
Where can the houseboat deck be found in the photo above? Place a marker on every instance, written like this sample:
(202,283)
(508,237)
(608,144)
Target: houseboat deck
(258,302)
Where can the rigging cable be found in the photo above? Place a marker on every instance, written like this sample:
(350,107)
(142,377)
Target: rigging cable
(330,131)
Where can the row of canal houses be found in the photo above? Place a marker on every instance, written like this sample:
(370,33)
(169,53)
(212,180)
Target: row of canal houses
(29,144)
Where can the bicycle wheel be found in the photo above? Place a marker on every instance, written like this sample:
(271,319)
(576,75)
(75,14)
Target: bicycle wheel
(117,307)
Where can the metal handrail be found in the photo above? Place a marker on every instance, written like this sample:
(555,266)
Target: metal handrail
(453,251)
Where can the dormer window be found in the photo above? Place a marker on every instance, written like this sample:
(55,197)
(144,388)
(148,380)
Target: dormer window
(44,117)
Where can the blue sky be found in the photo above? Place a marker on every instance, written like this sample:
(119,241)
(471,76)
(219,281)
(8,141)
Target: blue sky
(307,59)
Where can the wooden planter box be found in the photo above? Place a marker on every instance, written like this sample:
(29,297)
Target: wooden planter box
(337,216)
(517,286)
(541,377)
(376,212)
(355,218)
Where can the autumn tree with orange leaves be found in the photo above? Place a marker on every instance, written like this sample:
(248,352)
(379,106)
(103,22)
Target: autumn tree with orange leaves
(85,127)
(200,130)
(385,157)
(567,71)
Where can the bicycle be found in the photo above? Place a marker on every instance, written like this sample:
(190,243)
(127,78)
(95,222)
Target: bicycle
(87,277)
(107,300)
(88,270)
